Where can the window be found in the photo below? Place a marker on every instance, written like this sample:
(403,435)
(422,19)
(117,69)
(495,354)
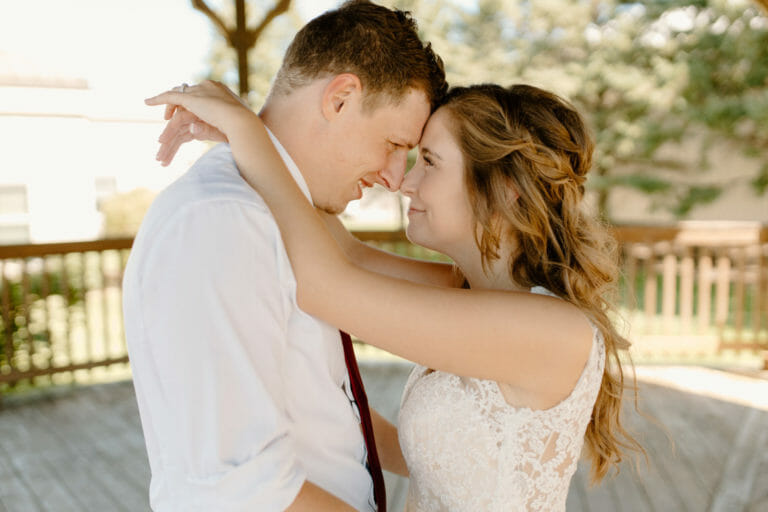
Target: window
(106,187)
(14,234)
(13,199)
(14,214)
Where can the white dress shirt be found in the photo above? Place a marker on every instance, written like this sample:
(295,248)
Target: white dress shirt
(241,394)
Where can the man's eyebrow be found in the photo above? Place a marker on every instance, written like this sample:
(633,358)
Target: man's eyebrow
(403,142)
(427,150)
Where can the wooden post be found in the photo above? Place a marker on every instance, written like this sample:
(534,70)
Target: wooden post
(103,284)
(240,42)
(705,289)
(25,293)
(761,293)
(722,288)
(630,264)
(7,318)
(739,292)
(668,283)
(45,291)
(241,38)
(686,289)
(650,287)
(66,293)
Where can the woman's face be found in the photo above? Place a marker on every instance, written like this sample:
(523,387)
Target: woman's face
(440,216)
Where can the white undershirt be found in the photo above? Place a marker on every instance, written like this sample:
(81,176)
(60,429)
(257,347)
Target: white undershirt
(241,394)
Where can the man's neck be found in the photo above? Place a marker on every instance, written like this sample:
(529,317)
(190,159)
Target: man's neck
(296,120)
(284,120)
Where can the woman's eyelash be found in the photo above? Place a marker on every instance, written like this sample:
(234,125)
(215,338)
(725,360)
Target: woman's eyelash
(427,160)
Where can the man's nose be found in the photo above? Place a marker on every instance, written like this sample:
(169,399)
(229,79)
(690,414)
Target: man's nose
(410,182)
(391,175)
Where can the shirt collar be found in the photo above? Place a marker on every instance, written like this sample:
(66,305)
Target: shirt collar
(291,165)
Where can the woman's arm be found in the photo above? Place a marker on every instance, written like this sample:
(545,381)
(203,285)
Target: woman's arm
(531,341)
(387,263)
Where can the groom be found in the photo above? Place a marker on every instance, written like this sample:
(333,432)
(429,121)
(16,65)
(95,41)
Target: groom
(243,397)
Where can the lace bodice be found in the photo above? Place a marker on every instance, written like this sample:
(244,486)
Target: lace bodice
(468,450)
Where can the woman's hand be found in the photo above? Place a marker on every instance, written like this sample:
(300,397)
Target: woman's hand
(208,111)
(183,127)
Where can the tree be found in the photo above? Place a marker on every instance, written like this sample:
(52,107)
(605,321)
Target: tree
(647,75)
(124,212)
(242,38)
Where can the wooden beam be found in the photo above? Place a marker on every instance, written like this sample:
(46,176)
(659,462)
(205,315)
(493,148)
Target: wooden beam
(201,6)
(37,250)
(241,38)
(279,8)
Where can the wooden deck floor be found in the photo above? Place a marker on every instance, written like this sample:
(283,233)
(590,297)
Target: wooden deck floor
(82,449)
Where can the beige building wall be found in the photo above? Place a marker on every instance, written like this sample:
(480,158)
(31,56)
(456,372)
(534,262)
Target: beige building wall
(726,166)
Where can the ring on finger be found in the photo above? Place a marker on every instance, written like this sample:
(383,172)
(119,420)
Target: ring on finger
(184,87)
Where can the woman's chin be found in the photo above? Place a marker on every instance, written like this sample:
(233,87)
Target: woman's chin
(417,238)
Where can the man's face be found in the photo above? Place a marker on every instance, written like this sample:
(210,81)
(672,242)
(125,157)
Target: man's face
(369,146)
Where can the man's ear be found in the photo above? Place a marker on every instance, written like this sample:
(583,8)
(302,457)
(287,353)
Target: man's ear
(339,93)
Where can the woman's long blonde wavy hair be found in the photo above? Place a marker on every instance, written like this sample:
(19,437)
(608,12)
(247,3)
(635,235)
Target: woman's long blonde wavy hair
(526,154)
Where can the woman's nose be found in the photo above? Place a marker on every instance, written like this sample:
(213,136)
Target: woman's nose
(411,181)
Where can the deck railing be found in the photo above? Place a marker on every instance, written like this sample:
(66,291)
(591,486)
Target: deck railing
(699,278)
(61,310)
(61,303)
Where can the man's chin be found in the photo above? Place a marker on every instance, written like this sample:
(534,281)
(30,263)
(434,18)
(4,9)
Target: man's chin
(331,208)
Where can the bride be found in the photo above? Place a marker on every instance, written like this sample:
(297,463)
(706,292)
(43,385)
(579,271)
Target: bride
(517,365)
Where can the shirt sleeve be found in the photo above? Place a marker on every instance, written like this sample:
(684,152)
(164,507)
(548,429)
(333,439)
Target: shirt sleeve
(215,308)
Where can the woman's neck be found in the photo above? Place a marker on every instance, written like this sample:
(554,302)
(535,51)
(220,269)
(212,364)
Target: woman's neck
(495,278)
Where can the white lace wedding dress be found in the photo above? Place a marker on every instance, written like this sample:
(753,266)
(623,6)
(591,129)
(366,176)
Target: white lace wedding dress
(468,450)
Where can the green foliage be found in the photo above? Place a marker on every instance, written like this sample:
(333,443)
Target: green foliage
(642,182)
(760,183)
(124,212)
(645,74)
(693,196)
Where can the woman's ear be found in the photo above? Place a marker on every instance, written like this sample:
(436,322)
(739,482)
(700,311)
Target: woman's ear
(340,93)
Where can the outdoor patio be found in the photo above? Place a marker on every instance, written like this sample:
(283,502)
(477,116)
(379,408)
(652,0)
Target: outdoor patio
(81,449)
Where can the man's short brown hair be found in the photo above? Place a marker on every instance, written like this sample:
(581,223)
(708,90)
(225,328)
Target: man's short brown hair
(379,45)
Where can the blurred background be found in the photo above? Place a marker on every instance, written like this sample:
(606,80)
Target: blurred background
(676,92)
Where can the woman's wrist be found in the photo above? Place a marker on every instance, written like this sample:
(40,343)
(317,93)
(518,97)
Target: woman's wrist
(242,125)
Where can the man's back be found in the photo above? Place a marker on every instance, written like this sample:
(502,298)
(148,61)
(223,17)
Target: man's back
(241,394)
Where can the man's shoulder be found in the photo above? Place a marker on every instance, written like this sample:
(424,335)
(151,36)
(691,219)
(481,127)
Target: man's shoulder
(212,187)
(213,178)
